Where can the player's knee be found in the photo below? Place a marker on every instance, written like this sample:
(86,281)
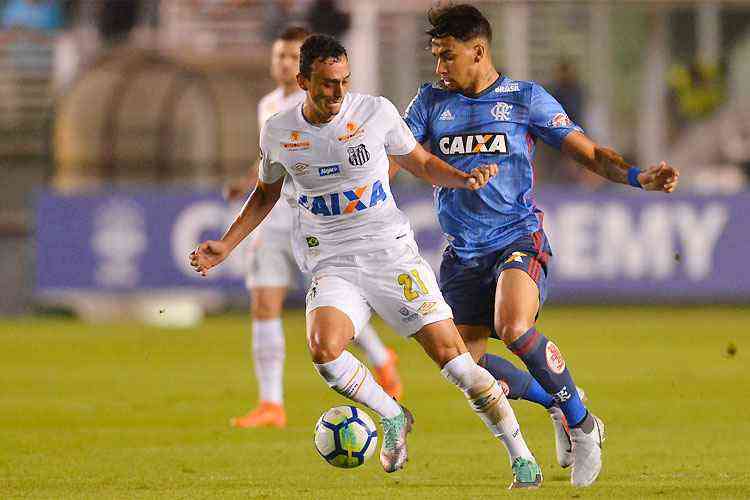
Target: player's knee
(264,309)
(513,328)
(324,348)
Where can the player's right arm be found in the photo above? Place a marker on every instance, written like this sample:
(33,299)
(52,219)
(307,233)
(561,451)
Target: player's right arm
(267,192)
(429,167)
(211,253)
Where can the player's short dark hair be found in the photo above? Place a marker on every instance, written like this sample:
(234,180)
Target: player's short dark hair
(293,34)
(318,48)
(462,22)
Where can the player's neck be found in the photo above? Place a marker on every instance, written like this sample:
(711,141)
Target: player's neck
(487,79)
(312,116)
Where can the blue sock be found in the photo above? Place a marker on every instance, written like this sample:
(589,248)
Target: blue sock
(521,385)
(546,364)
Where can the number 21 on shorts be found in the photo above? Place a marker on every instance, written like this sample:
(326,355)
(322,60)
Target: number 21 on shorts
(408,282)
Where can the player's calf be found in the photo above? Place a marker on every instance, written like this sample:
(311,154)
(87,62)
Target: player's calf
(488,400)
(547,365)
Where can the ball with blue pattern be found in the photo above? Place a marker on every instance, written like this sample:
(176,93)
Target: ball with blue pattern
(345,436)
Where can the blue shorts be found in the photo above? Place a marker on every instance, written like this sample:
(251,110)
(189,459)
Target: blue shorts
(468,285)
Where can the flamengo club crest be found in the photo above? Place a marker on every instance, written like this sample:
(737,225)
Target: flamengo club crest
(501,111)
(358,155)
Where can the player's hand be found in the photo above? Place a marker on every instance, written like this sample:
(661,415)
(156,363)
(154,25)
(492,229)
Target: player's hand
(208,254)
(481,176)
(661,177)
(233,191)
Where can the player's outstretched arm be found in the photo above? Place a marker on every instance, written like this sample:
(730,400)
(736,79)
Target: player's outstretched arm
(610,165)
(429,167)
(213,252)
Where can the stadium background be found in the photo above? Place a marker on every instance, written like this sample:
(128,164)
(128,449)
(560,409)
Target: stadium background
(121,119)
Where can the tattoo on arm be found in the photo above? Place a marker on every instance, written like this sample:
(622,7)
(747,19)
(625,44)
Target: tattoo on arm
(608,164)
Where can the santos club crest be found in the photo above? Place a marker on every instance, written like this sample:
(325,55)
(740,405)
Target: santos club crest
(358,155)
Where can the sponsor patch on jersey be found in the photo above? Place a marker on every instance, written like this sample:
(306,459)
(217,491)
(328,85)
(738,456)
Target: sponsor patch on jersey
(555,360)
(511,87)
(501,111)
(346,202)
(467,144)
(301,168)
(296,146)
(426,308)
(312,241)
(358,155)
(295,142)
(560,120)
(329,171)
(352,132)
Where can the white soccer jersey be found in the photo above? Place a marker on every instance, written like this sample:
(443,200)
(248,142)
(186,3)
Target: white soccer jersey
(277,227)
(340,175)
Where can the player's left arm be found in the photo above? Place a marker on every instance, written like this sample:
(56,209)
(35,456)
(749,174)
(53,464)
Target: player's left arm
(611,165)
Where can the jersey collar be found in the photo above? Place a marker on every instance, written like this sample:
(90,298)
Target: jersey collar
(498,81)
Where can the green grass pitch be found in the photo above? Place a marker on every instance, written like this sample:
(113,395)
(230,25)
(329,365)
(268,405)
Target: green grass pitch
(123,411)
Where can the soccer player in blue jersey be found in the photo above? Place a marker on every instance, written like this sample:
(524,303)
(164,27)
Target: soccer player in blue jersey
(494,271)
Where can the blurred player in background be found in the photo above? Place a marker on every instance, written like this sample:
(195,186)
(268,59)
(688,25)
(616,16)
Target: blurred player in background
(271,266)
(360,249)
(494,271)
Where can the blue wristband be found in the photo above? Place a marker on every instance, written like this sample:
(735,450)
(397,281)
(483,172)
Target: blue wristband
(633,177)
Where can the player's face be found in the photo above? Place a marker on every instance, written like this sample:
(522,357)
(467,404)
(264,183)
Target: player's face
(327,86)
(457,62)
(285,61)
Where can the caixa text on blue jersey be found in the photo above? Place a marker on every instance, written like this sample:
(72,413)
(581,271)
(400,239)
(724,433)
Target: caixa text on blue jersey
(345,202)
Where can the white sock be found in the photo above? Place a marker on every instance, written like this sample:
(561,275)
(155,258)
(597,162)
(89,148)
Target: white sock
(350,378)
(488,400)
(268,356)
(369,341)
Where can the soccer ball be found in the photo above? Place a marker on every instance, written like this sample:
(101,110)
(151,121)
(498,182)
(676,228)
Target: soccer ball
(345,436)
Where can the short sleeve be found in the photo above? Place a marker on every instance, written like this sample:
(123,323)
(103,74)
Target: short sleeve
(270,169)
(416,115)
(547,118)
(398,138)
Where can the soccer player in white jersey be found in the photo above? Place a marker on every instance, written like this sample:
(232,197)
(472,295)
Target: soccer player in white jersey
(359,247)
(271,267)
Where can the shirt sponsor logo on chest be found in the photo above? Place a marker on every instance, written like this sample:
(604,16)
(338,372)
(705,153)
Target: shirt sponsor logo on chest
(345,202)
(467,144)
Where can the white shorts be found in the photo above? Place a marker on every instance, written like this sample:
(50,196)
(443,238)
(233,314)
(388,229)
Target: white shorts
(270,263)
(396,283)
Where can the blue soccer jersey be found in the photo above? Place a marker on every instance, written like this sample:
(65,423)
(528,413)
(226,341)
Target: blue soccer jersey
(501,125)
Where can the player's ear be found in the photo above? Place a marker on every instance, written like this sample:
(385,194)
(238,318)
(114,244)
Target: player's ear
(302,81)
(479,52)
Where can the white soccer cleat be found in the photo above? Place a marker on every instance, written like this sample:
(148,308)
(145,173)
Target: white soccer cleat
(563,444)
(587,451)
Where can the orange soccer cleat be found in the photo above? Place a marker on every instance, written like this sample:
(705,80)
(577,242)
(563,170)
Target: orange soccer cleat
(265,415)
(388,377)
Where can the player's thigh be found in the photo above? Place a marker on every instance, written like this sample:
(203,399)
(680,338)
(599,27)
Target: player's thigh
(404,291)
(441,341)
(336,311)
(468,288)
(516,304)
(475,337)
(267,302)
